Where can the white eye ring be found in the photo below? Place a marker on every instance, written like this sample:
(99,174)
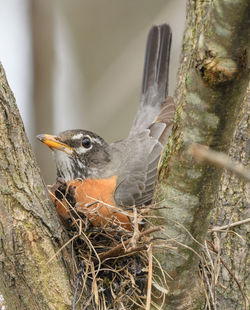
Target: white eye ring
(86,142)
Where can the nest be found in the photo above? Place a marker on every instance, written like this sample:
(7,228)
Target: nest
(114,266)
(113,275)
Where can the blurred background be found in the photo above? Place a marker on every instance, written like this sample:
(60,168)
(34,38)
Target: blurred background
(78,64)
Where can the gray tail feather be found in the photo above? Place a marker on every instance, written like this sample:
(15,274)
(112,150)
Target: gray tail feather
(155,77)
(156,66)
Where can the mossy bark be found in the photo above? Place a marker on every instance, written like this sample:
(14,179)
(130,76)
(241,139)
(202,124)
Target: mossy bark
(30,232)
(213,79)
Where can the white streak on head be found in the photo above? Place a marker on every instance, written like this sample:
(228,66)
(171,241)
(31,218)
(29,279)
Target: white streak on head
(96,140)
(82,149)
(78,136)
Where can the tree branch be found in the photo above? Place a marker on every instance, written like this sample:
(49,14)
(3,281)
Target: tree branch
(218,159)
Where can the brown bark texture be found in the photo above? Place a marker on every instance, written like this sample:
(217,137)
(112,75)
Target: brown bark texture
(30,233)
(232,206)
(212,83)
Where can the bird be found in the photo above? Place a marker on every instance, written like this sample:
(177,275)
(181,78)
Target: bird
(105,181)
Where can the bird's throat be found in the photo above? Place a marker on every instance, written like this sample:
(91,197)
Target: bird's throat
(68,167)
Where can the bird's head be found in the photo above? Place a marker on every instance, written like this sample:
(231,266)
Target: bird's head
(78,153)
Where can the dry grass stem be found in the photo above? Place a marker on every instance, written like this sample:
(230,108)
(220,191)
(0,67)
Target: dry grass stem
(150,275)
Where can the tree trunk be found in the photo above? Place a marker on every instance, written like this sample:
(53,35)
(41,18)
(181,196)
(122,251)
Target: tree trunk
(29,228)
(213,79)
(232,206)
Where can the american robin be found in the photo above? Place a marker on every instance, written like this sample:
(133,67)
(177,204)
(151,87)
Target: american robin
(105,179)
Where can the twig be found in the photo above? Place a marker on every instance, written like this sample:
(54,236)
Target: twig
(237,282)
(189,233)
(61,248)
(184,245)
(202,276)
(150,274)
(78,278)
(210,284)
(119,249)
(221,160)
(219,228)
(231,273)
(94,284)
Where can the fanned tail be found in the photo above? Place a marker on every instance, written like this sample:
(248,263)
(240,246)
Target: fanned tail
(156,67)
(155,77)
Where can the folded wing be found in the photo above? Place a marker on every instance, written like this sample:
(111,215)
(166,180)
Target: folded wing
(141,155)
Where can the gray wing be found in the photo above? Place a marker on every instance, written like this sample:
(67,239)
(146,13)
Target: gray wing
(155,77)
(137,158)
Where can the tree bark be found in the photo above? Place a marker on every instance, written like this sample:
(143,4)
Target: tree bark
(29,228)
(232,205)
(213,79)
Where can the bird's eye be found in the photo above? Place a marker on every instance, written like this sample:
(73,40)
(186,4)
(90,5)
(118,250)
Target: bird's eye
(86,142)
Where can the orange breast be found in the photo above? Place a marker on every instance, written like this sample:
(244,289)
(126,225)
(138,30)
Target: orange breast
(95,199)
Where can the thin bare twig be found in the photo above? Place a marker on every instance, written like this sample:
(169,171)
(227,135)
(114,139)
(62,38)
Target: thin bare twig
(150,274)
(237,282)
(207,285)
(119,249)
(212,248)
(219,228)
(221,160)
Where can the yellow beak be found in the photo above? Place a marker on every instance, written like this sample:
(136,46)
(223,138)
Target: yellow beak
(54,143)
